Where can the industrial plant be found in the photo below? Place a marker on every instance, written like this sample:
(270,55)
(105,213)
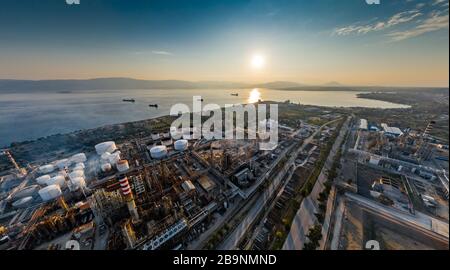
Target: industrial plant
(148,193)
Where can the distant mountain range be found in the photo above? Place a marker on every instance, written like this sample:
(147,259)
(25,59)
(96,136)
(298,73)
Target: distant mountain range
(128,83)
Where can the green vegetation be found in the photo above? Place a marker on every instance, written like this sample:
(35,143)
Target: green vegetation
(314,236)
(304,190)
(324,153)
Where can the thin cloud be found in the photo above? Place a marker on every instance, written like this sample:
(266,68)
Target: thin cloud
(362,29)
(413,23)
(162,53)
(434,23)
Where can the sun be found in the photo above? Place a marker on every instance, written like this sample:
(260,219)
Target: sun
(258,61)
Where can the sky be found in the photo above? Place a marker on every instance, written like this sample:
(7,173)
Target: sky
(395,43)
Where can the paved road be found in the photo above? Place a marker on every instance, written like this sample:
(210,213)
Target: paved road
(232,241)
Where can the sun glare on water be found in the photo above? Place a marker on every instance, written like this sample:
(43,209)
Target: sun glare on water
(254,96)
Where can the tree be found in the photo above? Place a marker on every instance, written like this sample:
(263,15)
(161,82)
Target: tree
(314,236)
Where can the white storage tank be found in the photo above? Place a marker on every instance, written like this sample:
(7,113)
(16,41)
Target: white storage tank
(23,203)
(78,158)
(79,166)
(47,168)
(50,193)
(76,174)
(63,163)
(78,182)
(181,145)
(114,158)
(25,192)
(105,156)
(158,152)
(57,180)
(122,165)
(42,180)
(104,147)
(106,167)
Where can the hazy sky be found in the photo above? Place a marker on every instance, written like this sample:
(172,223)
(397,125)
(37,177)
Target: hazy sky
(399,42)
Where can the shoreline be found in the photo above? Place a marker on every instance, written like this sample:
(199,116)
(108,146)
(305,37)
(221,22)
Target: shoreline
(63,144)
(69,131)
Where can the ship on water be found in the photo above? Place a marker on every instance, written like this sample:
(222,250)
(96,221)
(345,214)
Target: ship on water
(132,100)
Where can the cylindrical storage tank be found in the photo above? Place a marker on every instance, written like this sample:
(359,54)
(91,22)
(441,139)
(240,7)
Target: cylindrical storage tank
(78,182)
(23,203)
(42,180)
(78,158)
(106,167)
(122,165)
(76,174)
(105,156)
(61,164)
(80,165)
(181,145)
(158,152)
(25,192)
(104,147)
(50,193)
(57,180)
(47,168)
(114,158)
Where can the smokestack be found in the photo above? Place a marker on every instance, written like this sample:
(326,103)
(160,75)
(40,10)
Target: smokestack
(128,195)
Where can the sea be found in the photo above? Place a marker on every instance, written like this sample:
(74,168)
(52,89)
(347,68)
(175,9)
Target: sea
(29,115)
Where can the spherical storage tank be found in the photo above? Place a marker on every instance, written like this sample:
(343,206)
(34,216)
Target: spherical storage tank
(46,168)
(122,166)
(181,145)
(50,193)
(158,152)
(104,147)
(23,203)
(42,180)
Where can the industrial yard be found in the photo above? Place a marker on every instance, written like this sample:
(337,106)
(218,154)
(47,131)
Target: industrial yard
(346,178)
(148,192)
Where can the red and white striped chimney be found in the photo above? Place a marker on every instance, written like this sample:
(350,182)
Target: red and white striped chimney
(126,192)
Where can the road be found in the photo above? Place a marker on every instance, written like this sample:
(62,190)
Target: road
(232,241)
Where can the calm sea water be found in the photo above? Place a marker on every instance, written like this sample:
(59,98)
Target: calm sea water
(25,116)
